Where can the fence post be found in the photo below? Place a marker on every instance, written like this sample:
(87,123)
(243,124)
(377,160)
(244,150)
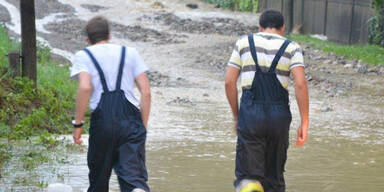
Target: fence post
(353,16)
(290,13)
(14,63)
(28,39)
(325,17)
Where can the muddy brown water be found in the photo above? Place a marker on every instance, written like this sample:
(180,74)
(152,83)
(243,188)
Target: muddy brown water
(191,146)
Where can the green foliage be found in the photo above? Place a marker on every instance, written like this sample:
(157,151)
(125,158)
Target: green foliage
(370,54)
(228,4)
(376,24)
(47,140)
(28,111)
(6,45)
(32,159)
(247,5)
(241,5)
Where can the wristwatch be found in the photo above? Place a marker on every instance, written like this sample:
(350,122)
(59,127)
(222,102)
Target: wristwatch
(77,125)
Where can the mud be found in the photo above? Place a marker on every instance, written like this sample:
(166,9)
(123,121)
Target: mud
(93,8)
(69,31)
(222,26)
(46,7)
(4,15)
(334,63)
(216,59)
(139,33)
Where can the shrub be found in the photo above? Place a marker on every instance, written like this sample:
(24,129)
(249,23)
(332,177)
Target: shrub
(376,24)
(241,5)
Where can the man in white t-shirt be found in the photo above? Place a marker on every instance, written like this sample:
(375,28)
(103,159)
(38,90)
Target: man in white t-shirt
(107,74)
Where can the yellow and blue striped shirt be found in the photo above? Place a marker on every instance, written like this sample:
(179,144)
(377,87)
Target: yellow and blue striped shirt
(267,46)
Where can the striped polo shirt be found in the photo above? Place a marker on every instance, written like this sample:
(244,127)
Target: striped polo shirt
(267,46)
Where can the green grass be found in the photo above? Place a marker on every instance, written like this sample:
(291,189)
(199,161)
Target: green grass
(6,45)
(370,54)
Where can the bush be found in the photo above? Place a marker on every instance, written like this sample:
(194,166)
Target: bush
(241,5)
(376,24)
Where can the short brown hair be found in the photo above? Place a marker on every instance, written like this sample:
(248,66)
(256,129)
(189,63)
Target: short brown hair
(97,29)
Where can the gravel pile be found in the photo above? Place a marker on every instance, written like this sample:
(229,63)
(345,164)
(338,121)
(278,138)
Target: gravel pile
(222,26)
(139,33)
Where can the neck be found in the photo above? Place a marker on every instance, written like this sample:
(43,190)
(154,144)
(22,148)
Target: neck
(273,31)
(101,42)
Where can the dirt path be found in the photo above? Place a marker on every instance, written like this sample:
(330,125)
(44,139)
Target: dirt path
(190,144)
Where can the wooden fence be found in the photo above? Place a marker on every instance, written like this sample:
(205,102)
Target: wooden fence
(343,21)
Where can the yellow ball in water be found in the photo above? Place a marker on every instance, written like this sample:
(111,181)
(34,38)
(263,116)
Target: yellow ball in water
(252,187)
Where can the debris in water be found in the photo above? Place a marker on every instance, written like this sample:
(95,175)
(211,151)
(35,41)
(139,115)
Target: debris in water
(192,5)
(326,109)
(158,5)
(181,101)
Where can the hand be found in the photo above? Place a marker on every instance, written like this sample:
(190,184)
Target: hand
(77,136)
(302,135)
(235,127)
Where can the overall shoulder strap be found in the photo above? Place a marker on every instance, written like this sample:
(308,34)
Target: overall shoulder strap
(121,68)
(278,56)
(252,48)
(101,74)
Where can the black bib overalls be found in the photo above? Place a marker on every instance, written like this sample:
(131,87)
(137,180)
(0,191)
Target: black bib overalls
(116,139)
(263,127)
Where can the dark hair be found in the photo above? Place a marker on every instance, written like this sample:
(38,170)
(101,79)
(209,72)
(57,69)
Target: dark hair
(97,29)
(271,19)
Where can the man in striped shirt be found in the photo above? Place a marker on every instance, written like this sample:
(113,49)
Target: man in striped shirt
(265,61)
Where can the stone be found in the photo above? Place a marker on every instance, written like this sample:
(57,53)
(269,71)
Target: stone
(348,65)
(373,70)
(193,5)
(158,5)
(327,61)
(320,37)
(362,69)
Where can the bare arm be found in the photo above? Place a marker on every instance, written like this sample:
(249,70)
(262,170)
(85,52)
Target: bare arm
(301,90)
(83,93)
(145,100)
(231,90)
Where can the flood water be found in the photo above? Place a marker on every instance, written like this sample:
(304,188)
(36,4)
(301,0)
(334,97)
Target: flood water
(191,145)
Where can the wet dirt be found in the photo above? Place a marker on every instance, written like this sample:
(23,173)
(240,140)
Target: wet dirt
(190,140)
(93,8)
(222,26)
(46,7)
(4,15)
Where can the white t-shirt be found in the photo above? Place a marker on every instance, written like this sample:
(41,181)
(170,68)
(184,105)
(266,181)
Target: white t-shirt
(108,57)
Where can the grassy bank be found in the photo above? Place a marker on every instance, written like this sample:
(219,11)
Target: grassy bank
(27,111)
(240,5)
(370,54)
